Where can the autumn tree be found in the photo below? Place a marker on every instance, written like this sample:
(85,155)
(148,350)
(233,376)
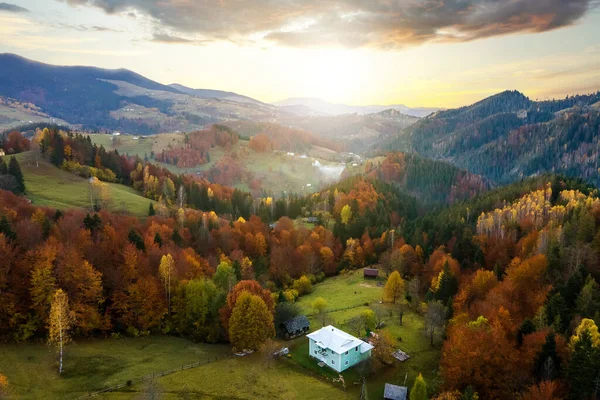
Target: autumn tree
(394,288)
(245,286)
(60,323)
(585,360)
(419,389)
(251,323)
(166,269)
(319,306)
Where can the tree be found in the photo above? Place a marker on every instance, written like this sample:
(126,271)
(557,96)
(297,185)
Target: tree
(137,240)
(246,286)
(284,311)
(224,276)
(419,389)
(435,318)
(585,361)
(383,348)
(369,320)
(319,305)
(151,210)
(14,169)
(447,284)
(364,393)
(251,323)
(166,269)
(59,323)
(394,288)
(346,214)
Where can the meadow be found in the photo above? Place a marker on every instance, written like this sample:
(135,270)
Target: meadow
(351,294)
(50,186)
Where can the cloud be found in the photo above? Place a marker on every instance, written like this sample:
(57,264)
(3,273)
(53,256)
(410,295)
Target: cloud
(170,39)
(85,28)
(351,23)
(12,8)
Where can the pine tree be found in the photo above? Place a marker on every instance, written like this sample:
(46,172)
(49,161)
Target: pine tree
(3,167)
(448,285)
(151,211)
(6,229)
(135,238)
(158,239)
(583,366)
(14,169)
(176,238)
(547,363)
(419,389)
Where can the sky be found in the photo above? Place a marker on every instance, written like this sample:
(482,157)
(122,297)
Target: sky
(434,53)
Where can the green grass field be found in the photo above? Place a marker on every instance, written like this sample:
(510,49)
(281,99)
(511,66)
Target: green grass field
(50,186)
(351,290)
(91,365)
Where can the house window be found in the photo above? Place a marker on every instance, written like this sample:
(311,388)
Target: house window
(315,352)
(346,353)
(332,362)
(346,363)
(356,349)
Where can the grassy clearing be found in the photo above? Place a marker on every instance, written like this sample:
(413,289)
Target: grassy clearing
(92,365)
(246,378)
(349,290)
(50,186)
(342,291)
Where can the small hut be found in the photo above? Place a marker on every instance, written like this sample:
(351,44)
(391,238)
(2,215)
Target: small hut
(372,273)
(295,327)
(394,392)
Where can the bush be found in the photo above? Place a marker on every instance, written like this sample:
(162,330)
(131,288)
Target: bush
(302,285)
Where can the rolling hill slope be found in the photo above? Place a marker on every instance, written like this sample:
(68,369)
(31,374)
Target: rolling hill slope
(98,98)
(50,186)
(507,137)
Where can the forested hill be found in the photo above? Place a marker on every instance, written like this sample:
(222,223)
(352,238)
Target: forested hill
(430,181)
(507,137)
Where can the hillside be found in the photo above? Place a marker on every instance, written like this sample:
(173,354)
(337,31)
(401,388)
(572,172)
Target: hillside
(358,131)
(98,98)
(53,187)
(431,182)
(507,137)
(216,94)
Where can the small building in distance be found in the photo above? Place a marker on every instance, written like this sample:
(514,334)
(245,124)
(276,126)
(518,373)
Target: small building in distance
(2,153)
(370,273)
(294,327)
(394,392)
(338,349)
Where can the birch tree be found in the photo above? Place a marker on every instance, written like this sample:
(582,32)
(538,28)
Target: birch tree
(60,323)
(166,269)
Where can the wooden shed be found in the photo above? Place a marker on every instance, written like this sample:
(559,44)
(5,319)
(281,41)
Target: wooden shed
(395,392)
(295,326)
(371,273)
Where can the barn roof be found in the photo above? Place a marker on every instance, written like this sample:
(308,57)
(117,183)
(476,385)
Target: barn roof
(371,272)
(394,392)
(297,323)
(337,340)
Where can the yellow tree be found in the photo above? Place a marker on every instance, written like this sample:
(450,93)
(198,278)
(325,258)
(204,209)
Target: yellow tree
(251,323)
(346,214)
(166,269)
(61,321)
(394,288)
(320,307)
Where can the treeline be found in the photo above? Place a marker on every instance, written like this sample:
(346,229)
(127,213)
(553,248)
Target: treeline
(125,275)
(508,137)
(428,180)
(515,273)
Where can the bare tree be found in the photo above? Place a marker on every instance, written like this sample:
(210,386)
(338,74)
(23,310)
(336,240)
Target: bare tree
(435,318)
(355,324)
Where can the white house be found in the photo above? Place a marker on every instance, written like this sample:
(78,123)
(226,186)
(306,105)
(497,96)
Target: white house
(338,349)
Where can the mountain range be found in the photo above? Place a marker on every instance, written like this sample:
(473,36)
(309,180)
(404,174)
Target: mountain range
(507,137)
(315,106)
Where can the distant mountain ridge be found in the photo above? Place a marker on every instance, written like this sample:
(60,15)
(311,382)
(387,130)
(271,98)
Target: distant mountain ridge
(215,94)
(323,107)
(507,137)
(96,98)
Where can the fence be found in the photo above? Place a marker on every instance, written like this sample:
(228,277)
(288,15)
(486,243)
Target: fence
(152,376)
(332,310)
